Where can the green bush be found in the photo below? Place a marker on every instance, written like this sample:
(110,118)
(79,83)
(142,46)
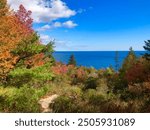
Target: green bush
(24,99)
(91,83)
(95,98)
(64,104)
(70,100)
(117,84)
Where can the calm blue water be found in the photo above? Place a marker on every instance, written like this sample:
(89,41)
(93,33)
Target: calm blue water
(96,59)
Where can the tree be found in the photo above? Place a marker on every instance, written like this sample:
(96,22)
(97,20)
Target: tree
(72,60)
(116,60)
(3,8)
(18,41)
(147,48)
(121,82)
(129,60)
(137,73)
(32,53)
(24,17)
(12,33)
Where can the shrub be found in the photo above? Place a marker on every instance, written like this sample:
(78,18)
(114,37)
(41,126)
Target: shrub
(97,98)
(60,69)
(24,99)
(117,83)
(64,104)
(146,106)
(78,76)
(109,71)
(69,101)
(91,83)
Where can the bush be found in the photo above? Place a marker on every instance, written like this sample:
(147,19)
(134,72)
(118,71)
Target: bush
(94,97)
(116,83)
(78,76)
(146,106)
(24,99)
(64,104)
(69,101)
(91,83)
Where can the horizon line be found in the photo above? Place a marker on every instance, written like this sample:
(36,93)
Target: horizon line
(91,50)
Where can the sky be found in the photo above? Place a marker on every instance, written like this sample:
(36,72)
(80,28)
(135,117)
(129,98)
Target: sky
(90,25)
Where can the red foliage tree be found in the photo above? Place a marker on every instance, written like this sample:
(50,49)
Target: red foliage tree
(24,17)
(137,73)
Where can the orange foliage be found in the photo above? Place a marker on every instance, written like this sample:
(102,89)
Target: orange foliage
(12,32)
(7,61)
(60,69)
(3,7)
(36,60)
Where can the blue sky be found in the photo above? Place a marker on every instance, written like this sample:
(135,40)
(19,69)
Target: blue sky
(92,25)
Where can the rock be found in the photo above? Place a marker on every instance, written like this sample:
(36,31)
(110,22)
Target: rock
(45,103)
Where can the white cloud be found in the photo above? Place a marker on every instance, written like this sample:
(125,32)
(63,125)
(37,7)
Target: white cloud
(45,38)
(43,28)
(61,45)
(57,25)
(67,24)
(44,10)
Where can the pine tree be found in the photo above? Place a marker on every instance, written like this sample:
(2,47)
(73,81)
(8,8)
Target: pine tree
(128,62)
(72,60)
(147,48)
(116,60)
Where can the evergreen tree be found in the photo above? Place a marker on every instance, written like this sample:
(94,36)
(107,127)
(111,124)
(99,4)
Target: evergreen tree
(120,83)
(147,48)
(129,60)
(72,60)
(116,60)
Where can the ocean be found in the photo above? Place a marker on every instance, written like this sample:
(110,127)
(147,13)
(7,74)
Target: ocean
(96,59)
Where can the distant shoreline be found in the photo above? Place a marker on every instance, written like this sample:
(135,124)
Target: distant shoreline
(97,59)
(104,51)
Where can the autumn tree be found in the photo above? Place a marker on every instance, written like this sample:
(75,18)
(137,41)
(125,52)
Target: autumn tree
(18,41)
(3,8)
(24,17)
(12,32)
(137,73)
(30,49)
